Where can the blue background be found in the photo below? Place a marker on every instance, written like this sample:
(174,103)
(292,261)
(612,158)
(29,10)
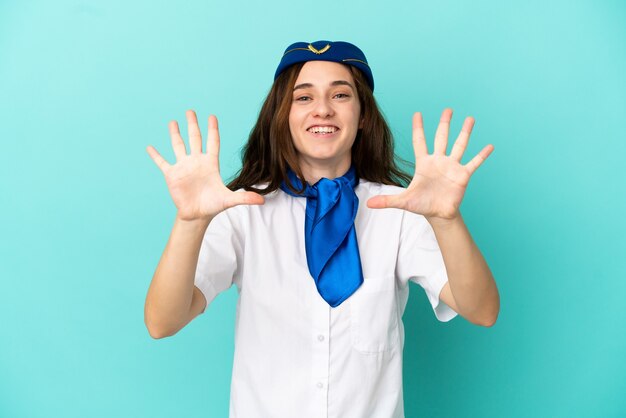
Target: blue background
(86,86)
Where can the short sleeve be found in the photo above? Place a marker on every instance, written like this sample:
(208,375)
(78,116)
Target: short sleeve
(420,261)
(220,255)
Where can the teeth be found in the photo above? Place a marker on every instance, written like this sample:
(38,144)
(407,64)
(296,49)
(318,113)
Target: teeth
(324,129)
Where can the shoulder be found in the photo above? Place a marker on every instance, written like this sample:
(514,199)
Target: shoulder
(365,190)
(369,188)
(238,218)
(262,186)
(274,199)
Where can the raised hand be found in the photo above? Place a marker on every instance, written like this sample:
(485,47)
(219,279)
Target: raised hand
(439,182)
(194,182)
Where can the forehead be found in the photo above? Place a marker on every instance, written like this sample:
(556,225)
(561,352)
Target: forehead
(323,72)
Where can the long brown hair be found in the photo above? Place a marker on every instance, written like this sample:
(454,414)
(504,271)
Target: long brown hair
(270,150)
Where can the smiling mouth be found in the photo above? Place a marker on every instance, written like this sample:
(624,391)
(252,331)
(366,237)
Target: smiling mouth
(323,131)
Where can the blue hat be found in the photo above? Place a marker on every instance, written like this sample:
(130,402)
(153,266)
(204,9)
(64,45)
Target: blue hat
(342,52)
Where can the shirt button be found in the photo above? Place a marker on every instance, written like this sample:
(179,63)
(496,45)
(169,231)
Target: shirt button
(320,385)
(320,337)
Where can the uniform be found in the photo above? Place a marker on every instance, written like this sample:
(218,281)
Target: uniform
(295,356)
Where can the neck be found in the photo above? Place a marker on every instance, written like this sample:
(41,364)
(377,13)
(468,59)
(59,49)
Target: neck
(313,171)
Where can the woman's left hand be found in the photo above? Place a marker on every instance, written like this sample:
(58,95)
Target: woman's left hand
(439,182)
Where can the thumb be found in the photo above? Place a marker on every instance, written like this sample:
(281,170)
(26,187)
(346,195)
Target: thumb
(384,201)
(244,198)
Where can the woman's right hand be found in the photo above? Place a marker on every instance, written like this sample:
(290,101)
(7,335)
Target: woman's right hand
(194,181)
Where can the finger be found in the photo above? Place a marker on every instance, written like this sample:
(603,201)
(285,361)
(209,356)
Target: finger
(213,139)
(195,138)
(479,159)
(158,160)
(461,142)
(244,198)
(441,136)
(419,139)
(386,201)
(177,141)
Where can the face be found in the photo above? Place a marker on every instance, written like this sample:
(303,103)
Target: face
(325,115)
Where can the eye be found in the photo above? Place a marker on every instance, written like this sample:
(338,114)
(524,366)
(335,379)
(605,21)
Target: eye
(303,99)
(342,95)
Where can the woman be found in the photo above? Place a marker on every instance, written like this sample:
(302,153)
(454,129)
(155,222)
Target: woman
(322,277)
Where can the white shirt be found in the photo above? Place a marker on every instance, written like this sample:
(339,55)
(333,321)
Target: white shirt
(295,356)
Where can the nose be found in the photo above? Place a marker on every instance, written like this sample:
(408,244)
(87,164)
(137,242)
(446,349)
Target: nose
(323,108)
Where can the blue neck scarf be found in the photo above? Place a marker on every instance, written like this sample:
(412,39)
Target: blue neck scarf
(332,251)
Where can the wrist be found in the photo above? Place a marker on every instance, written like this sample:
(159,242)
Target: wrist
(197,223)
(445,223)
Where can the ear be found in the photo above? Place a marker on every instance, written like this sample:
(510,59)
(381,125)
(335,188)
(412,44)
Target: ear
(361,123)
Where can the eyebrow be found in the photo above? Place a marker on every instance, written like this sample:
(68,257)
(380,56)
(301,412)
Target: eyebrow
(334,83)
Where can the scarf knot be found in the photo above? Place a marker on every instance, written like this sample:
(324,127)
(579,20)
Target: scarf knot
(332,249)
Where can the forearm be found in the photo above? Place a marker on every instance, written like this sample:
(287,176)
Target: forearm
(471,282)
(170,294)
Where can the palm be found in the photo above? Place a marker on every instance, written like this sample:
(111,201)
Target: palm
(194,186)
(440,185)
(194,182)
(439,182)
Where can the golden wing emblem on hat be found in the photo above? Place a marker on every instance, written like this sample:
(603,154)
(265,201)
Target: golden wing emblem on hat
(319,51)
